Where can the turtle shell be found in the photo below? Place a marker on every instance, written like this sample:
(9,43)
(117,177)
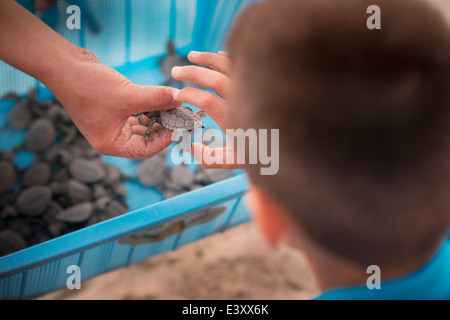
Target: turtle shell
(181,118)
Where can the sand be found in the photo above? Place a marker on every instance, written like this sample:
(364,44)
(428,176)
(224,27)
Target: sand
(236,264)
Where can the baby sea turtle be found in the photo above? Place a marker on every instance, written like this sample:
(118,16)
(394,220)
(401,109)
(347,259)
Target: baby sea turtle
(20,226)
(52,210)
(20,116)
(119,190)
(113,209)
(216,175)
(102,204)
(112,174)
(41,135)
(37,174)
(204,216)
(181,118)
(11,96)
(172,193)
(33,201)
(10,241)
(76,214)
(167,229)
(78,192)
(56,228)
(180,178)
(8,212)
(99,191)
(86,171)
(8,175)
(152,171)
(154,233)
(172,60)
(59,155)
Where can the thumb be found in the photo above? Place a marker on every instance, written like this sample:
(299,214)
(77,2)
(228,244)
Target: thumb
(148,98)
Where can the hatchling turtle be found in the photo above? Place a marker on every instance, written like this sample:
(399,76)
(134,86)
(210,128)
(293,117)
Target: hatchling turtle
(20,226)
(154,233)
(37,174)
(86,171)
(78,192)
(181,118)
(172,60)
(11,96)
(41,135)
(8,212)
(33,201)
(10,241)
(152,171)
(76,214)
(8,175)
(203,216)
(178,119)
(20,116)
(180,178)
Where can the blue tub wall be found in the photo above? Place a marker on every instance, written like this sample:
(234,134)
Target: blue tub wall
(43,268)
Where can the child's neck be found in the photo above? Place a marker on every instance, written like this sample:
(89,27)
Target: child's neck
(332,272)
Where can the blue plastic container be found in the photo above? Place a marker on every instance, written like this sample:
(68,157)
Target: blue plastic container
(129,35)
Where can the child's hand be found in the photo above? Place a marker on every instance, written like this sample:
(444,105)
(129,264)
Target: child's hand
(217,80)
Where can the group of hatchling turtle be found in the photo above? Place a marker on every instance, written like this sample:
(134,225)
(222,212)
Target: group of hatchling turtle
(67,187)
(70,186)
(172,181)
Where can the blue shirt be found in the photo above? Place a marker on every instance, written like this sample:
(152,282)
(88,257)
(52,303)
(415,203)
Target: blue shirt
(430,282)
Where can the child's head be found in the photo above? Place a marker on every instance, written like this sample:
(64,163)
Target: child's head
(364,119)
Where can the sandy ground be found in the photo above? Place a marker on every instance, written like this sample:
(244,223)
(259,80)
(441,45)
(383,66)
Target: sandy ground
(236,264)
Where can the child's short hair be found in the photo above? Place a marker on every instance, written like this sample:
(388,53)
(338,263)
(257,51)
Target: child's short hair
(364,119)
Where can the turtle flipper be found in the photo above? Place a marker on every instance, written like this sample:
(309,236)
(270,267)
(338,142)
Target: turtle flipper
(170,47)
(152,122)
(186,143)
(201,113)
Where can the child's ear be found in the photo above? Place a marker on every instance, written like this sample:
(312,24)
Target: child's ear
(269,217)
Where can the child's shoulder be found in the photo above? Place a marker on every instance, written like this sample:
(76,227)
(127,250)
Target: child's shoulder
(432,281)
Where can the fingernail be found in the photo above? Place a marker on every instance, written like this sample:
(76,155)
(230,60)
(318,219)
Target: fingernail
(222,53)
(194,54)
(175,97)
(176,71)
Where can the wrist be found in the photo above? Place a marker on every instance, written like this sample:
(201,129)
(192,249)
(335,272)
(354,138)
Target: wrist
(56,69)
(31,46)
(67,70)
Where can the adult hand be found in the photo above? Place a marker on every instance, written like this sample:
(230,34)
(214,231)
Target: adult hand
(102,103)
